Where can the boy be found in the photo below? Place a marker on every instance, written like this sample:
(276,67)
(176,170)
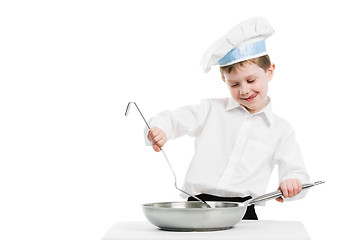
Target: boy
(238,140)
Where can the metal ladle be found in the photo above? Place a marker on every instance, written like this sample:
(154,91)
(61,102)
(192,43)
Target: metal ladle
(170,166)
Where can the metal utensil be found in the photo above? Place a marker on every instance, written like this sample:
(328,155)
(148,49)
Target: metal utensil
(165,156)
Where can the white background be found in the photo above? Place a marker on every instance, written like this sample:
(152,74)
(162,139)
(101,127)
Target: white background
(71,164)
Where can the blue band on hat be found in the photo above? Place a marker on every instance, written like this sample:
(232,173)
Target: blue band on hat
(244,52)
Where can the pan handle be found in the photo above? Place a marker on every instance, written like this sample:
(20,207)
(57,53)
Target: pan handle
(276,194)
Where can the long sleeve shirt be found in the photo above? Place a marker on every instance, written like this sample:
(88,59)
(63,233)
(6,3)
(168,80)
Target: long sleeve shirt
(235,151)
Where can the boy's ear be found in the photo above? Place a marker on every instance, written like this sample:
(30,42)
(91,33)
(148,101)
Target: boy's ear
(270,71)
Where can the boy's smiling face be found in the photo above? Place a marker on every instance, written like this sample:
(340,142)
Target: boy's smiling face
(248,85)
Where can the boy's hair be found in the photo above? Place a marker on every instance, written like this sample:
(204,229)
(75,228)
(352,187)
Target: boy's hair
(263,62)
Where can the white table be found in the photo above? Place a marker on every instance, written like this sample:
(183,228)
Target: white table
(248,229)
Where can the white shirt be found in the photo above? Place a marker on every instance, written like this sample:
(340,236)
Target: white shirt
(239,149)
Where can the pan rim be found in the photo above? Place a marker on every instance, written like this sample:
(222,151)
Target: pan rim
(213,203)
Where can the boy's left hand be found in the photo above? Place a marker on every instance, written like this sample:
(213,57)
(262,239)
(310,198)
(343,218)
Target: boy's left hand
(289,188)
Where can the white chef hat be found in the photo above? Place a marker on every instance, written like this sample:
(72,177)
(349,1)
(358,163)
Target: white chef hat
(244,41)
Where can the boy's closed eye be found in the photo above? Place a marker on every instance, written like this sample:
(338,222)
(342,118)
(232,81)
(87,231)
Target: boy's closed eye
(237,84)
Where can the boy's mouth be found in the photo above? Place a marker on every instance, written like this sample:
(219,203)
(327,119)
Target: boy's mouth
(250,98)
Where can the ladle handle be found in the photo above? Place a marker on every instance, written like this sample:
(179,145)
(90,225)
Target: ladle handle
(276,194)
(165,156)
(127,112)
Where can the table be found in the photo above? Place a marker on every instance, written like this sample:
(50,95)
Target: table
(246,229)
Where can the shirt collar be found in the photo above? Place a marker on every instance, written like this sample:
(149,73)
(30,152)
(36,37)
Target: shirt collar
(267,110)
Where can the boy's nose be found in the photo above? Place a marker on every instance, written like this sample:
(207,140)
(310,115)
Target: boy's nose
(244,90)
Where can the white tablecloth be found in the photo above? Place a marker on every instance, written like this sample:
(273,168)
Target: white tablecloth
(254,230)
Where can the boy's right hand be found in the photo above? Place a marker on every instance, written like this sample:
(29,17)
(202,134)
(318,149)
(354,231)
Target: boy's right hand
(157,137)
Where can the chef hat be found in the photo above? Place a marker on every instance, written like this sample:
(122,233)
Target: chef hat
(244,41)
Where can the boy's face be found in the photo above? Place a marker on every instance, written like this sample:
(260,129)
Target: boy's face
(248,85)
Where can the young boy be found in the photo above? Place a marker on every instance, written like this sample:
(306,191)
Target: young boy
(238,140)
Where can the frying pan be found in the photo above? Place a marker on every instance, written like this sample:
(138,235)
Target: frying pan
(195,216)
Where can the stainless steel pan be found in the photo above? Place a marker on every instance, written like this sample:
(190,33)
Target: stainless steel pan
(195,216)
(192,216)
